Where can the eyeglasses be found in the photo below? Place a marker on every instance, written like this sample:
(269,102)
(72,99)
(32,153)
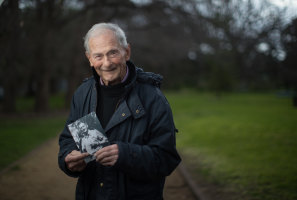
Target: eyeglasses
(114,53)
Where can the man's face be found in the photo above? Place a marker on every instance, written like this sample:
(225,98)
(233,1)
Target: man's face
(108,57)
(83,127)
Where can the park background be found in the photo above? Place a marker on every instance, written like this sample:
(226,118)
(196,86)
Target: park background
(230,75)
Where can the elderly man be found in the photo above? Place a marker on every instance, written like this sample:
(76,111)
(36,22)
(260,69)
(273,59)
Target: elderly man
(135,116)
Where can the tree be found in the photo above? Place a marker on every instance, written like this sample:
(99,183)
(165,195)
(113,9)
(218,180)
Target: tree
(10,61)
(207,44)
(289,39)
(237,28)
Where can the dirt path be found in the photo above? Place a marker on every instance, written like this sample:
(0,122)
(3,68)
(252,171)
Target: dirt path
(37,177)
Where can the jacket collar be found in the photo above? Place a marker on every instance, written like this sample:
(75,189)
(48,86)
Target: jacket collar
(131,105)
(130,108)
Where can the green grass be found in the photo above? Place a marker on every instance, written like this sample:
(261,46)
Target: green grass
(24,131)
(245,142)
(19,135)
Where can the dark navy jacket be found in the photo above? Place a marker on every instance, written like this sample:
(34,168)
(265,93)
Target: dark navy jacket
(144,130)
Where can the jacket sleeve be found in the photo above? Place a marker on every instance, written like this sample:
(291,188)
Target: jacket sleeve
(66,143)
(157,158)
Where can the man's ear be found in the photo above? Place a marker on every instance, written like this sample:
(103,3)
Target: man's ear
(89,58)
(128,52)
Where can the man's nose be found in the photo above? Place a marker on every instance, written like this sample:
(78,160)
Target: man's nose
(106,61)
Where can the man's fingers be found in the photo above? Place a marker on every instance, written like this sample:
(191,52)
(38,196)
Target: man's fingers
(110,159)
(73,157)
(75,161)
(109,163)
(108,150)
(79,166)
(76,166)
(106,154)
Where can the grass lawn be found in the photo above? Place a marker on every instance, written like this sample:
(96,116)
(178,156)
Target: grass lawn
(22,133)
(18,136)
(245,142)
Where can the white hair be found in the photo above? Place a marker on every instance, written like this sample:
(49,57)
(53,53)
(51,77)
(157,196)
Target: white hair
(100,28)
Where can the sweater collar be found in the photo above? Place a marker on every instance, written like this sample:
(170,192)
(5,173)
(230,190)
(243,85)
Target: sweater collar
(124,79)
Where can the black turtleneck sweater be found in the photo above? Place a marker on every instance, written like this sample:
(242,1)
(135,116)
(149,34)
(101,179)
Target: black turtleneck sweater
(109,98)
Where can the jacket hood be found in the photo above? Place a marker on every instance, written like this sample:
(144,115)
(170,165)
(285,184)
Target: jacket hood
(149,77)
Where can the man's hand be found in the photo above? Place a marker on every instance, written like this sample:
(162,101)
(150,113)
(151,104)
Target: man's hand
(108,155)
(75,161)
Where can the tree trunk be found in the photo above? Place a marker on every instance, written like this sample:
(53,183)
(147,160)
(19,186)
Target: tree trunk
(74,77)
(42,79)
(11,55)
(42,93)
(9,101)
(43,65)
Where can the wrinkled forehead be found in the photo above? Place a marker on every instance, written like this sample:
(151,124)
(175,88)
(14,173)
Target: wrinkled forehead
(103,44)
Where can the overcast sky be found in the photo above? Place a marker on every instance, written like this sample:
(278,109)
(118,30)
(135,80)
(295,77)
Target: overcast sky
(282,3)
(291,4)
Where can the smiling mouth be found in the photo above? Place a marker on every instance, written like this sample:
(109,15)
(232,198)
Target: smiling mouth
(108,70)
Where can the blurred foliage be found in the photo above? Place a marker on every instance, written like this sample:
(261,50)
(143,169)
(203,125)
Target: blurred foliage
(232,45)
(25,104)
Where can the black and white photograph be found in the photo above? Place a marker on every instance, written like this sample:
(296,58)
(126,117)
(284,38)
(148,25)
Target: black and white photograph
(88,134)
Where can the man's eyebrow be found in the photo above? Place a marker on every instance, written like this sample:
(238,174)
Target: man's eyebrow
(97,54)
(113,49)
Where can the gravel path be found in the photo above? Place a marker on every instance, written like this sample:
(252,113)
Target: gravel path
(37,177)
